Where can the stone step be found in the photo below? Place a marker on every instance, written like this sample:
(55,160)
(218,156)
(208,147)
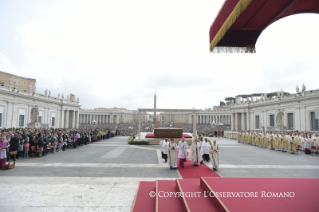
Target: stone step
(167,198)
(194,198)
(143,200)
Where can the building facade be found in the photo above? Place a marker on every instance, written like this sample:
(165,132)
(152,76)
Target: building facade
(111,116)
(17,83)
(298,111)
(58,112)
(217,114)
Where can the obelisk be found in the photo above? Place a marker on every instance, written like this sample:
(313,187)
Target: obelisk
(154,115)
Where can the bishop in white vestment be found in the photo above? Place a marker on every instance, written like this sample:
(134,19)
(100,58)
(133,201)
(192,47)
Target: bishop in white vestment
(195,153)
(214,155)
(172,156)
(182,153)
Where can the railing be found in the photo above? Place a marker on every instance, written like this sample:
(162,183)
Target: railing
(306,94)
(36,95)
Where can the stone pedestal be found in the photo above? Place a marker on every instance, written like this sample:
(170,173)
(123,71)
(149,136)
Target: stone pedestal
(34,125)
(37,125)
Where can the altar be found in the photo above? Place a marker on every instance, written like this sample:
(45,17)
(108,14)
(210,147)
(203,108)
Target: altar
(168,132)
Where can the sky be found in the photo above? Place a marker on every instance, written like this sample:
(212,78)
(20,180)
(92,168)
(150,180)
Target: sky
(116,53)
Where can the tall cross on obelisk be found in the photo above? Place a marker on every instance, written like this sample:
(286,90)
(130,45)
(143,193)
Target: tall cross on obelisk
(154,115)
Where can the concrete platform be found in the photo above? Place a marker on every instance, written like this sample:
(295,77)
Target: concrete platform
(104,176)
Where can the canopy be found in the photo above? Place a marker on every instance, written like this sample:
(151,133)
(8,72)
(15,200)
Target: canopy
(240,22)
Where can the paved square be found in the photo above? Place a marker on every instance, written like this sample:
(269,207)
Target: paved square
(104,176)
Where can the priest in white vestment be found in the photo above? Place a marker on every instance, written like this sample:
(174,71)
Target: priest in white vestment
(214,155)
(182,153)
(172,156)
(205,149)
(164,145)
(307,142)
(195,153)
(161,145)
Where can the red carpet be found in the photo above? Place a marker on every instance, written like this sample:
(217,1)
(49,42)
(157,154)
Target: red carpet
(190,171)
(151,135)
(143,201)
(305,191)
(165,203)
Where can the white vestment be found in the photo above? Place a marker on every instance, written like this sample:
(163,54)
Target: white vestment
(182,146)
(164,147)
(205,147)
(161,144)
(307,143)
(195,153)
(172,156)
(214,156)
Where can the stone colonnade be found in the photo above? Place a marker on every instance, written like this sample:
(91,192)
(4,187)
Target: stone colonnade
(209,119)
(88,118)
(240,121)
(69,118)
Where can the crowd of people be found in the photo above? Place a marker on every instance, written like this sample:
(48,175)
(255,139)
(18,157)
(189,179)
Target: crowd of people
(39,142)
(285,141)
(200,151)
(128,129)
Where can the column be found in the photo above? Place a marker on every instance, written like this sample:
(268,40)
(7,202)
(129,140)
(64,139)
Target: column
(139,123)
(231,121)
(235,121)
(73,119)
(194,123)
(62,119)
(76,119)
(66,119)
(247,121)
(244,121)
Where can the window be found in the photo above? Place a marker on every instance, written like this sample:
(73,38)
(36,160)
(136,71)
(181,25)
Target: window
(53,121)
(39,119)
(0,119)
(21,120)
(24,83)
(272,120)
(290,121)
(313,122)
(257,122)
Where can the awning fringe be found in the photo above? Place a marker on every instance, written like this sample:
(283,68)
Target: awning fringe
(224,49)
(239,8)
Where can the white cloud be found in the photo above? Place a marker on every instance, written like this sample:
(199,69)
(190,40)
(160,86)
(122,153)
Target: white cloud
(115,53)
